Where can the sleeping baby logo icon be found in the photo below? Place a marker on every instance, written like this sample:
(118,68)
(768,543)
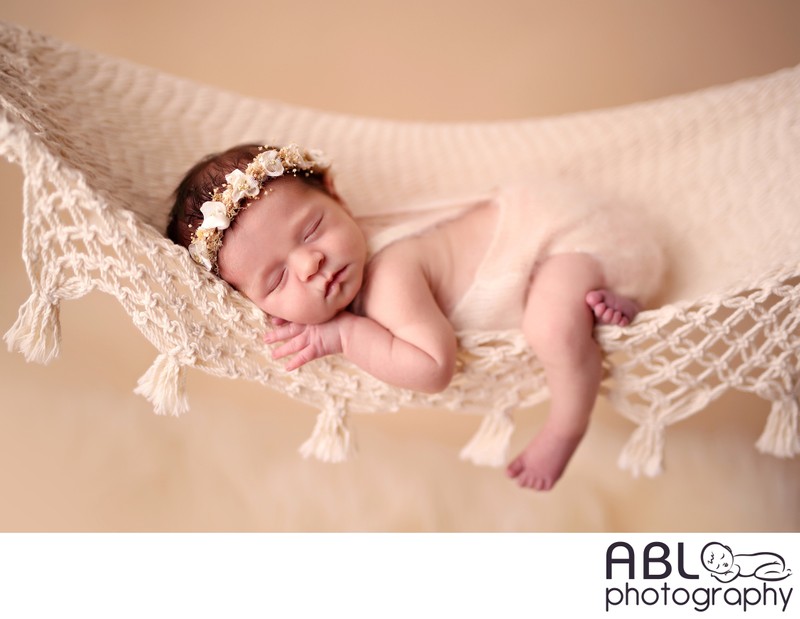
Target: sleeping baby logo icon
(726,566)
(665,577)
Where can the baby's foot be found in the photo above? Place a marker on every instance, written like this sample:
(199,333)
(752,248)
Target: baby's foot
(611,309)
(543,461)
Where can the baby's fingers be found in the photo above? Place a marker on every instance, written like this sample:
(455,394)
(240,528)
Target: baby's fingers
(301,358)
(283,332)
(291,347)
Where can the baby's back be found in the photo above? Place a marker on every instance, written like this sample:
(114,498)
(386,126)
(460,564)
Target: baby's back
(449,253)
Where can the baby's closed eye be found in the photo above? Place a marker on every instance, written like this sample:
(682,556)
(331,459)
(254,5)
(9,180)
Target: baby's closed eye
(275,280)
(312,231)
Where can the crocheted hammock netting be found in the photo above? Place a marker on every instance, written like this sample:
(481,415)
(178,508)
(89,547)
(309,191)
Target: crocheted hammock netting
(103,142)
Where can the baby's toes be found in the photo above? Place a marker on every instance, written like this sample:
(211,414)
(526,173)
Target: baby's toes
(544,485)
(599,309)
(516,467)
(527,480)
(594,297)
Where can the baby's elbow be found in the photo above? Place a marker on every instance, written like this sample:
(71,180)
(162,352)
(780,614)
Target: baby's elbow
(435,384)
(439,378)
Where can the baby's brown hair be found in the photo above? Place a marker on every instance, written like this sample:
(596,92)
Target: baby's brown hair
(206,176)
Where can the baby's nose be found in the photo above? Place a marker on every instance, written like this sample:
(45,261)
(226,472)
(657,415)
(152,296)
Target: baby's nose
(308,263)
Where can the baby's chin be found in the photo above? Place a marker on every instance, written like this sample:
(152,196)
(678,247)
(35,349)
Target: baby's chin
(318,314)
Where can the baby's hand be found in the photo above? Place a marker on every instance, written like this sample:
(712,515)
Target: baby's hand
(306,342)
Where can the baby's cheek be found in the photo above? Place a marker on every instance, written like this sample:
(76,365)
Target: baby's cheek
(267,307)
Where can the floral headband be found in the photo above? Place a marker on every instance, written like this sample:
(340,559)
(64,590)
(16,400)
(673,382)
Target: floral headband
(229,200)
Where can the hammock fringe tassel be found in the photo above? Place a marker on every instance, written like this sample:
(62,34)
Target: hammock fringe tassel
(780,437)
(643,452)
(489,445)
(164,386)
(331,440)
(37,330)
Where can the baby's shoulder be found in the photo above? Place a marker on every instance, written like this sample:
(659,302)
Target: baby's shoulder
(400,255)
(393,273)
(396,262)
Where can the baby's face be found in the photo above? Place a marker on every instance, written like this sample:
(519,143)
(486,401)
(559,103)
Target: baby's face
(717,558)
(295,252)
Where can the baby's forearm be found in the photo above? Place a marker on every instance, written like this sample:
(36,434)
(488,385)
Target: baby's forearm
(379,352)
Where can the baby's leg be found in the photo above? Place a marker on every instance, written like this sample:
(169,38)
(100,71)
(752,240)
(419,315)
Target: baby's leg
(558,324)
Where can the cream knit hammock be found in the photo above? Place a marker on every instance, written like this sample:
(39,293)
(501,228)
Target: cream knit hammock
(103,142)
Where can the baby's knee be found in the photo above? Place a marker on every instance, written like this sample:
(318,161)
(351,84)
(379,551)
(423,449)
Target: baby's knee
(560,333)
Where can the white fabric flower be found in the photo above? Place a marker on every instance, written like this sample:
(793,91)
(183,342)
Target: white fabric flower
(271,162)
(294,157)
(318,158)
(242,185)
(215,216)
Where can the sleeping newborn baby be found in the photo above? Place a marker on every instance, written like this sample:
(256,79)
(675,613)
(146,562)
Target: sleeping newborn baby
(543,256)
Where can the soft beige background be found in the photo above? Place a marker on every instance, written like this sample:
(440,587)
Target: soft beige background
(79,451)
